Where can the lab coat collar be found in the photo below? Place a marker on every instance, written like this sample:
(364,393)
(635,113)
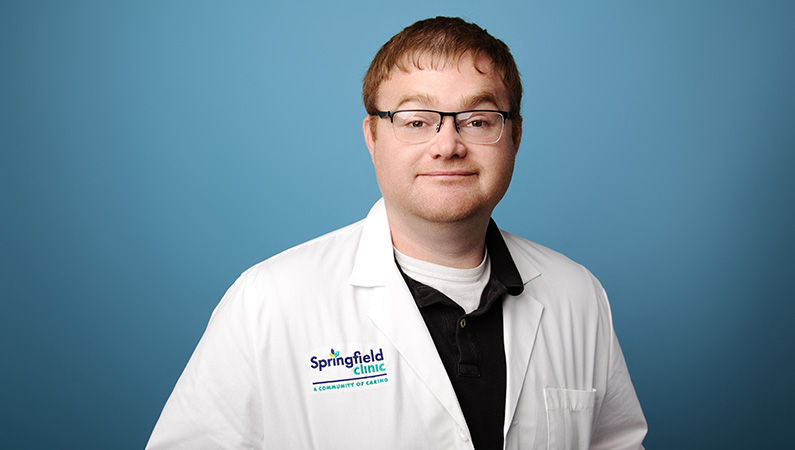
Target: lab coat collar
(521,320)
(375,256)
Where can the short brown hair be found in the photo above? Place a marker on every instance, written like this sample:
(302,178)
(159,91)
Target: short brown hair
(443,39)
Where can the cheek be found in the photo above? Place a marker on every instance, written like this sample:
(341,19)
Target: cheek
(388,169)
(381,160)
(393,161)
(510,164)
(505,166)
(502,176)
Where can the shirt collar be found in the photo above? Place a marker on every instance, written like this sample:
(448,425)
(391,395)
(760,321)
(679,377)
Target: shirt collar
(503,272)
(502,264)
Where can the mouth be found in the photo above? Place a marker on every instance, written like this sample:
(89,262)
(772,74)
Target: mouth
(448,174)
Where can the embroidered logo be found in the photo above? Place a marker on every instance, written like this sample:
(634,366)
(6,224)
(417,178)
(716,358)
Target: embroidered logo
(355,370)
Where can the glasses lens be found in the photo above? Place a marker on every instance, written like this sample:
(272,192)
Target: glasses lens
(415,126)
(480,127)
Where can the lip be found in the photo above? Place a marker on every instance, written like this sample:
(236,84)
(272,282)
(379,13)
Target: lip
(447,173)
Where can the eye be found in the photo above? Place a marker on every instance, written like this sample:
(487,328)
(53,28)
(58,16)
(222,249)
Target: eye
(478,121)
(414,120)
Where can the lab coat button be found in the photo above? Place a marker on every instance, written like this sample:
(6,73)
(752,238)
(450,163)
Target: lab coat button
(462,434)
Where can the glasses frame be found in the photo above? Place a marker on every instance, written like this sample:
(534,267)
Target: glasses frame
(442,114)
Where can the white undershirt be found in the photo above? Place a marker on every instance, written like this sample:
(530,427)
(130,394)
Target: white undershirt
(463,286)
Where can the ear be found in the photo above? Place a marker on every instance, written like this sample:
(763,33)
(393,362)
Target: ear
(368,136)
(516,133)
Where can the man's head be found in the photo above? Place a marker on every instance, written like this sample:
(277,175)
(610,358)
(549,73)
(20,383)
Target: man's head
(433,43)
(431,165)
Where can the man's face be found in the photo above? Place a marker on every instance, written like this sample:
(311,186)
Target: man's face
(445,179)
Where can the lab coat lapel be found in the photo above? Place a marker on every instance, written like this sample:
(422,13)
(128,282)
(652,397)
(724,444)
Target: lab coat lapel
(394,312)
(521,319)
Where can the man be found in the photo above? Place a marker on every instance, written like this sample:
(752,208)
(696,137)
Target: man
(423,326)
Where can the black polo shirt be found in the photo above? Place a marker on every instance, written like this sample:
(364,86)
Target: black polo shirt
(471,346)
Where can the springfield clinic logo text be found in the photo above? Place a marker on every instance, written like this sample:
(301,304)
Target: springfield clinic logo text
(357,369)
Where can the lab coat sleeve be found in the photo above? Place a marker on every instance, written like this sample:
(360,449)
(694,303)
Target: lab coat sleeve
(216,403)
(619,424)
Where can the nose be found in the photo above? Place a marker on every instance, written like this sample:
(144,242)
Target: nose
(447,143)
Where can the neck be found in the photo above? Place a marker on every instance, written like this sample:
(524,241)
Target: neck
(458,244)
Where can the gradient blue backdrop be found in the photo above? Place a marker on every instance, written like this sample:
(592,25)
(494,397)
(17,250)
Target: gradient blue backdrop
(153,150)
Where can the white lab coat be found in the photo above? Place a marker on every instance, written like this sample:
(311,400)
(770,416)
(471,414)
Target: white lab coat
(253,383)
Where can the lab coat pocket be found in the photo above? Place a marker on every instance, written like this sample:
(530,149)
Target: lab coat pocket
(569,418)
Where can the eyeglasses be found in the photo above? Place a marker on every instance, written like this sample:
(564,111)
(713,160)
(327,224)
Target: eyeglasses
(415,126)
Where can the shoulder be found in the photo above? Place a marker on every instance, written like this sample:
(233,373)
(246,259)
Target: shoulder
(324,256)
(546,260)
(313,265)
(556,276)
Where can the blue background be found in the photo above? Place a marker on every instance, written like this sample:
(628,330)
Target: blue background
(153,150)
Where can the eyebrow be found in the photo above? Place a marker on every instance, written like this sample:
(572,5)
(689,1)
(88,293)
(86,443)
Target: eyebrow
(419,98)
(471,102)
(477,100)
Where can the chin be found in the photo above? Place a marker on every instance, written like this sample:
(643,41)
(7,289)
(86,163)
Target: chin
(452,210)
